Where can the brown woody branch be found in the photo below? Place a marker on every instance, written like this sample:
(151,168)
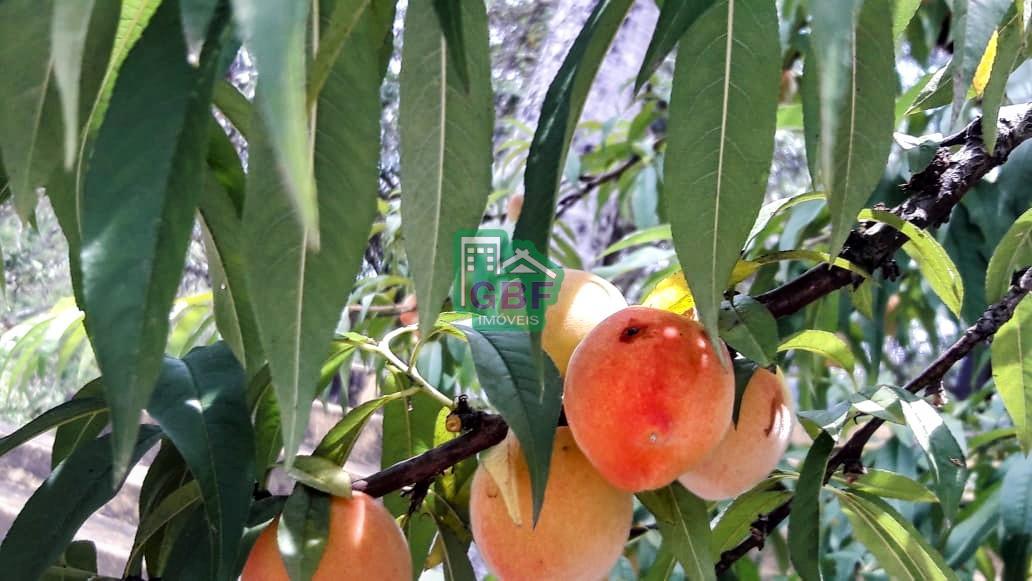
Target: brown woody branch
(934,193)
(849,454)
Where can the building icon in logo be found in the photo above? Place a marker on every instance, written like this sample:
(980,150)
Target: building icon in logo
(507,285)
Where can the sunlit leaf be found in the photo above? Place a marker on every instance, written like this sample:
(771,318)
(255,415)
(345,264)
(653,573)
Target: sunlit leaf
(823,343)
(303,530)
(684,525)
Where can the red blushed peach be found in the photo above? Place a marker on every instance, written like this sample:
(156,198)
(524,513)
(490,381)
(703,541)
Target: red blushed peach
(582,529)
(647,397)
(364,543)
(751,450)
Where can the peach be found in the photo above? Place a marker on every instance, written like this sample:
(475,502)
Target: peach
(582,529)
(514,207)
(751,450)
(647,397)
(584,300)
(364,543)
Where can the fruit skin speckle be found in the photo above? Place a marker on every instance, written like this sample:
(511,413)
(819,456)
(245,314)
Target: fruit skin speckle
(645,389)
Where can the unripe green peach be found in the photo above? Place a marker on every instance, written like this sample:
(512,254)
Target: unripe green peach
(582,529)
(751,449)
(584,300)
(647,397)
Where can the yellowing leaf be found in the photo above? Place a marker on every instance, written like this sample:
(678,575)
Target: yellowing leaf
(671,294)
(743,269)
(985,66)
(500,463)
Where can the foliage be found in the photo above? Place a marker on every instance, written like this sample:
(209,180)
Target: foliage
(324,268)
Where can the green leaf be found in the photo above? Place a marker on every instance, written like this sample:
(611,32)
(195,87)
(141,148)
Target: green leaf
(274,31)
(972,25)
(863,130)
(69,436)
(935,264)
(235,106)
(345,16)
(449,15)
(178,502)
(297,294)
(199,403)
(446,150)
(734,524)
(936,92)
(528,398)
(146,170)
(321,474)
(723,109)
(1008,55)
(30,123)
(899,548)
(78,408)
(744,370)
(832,43)
(890,485)
(268,433)
(1012,253)
(420,529)
(79,486)
(166,474)
(659,233)
(771,209)
(944,455)
(822,343)
(560,111)
(804,526)
(675,18)
(809,98)
(829,420)
(303,530)
(902,12)
(1016,514)
(684,523)
(337,444)
(1011,351)
(977,521)
(408,430)
(70,25)
(749,328)
(196,14)
(456,563)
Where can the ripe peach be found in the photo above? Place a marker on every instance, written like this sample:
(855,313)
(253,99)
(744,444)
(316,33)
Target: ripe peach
(514,207)
(584,300)
(583,525)
(364,543)
(647,397)
(409,316)
(751,450)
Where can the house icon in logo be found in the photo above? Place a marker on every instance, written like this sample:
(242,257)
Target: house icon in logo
(508,284)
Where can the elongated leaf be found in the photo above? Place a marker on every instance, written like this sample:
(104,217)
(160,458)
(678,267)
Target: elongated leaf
(823,343)
(408,430)
(1016,502)
(771,209)
(69,436)
(456,563)
(1007,56)
(303,530)
(560,111)
(420,530)
(1012,253)
(71,22)
(275,31)
(833,40)
(337,444)
(804,526)
(749,328)
(902,12)
(723,109)
(70,411)
(863,130)
(1012,370)
(527,398)
(345,15)
(30,123)
(76,489)
(450,21)
(197,14)
(298,294)
(131,268)
(180,501)
(899,548)
(734,523)
(891,485)
(675,18)
(321,474)
(982,518)
(972,24)
(199,403)
(658,233)
(223,243)
(945,457)
(268,434)
(671,294)
(684,524)
(446,151)
(935,264)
